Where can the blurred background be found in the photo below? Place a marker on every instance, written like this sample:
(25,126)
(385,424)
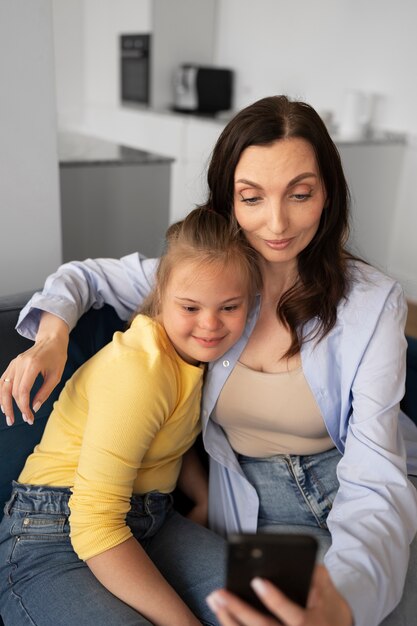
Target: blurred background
(109,110)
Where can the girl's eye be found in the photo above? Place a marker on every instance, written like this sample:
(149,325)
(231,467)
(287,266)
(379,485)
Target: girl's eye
(232,307)
(190,309)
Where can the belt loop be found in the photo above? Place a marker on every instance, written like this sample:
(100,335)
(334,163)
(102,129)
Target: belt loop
(9,505)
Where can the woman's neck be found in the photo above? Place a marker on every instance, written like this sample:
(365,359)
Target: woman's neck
(277,279)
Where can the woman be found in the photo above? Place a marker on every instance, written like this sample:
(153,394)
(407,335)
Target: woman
(89,535)
(324,349)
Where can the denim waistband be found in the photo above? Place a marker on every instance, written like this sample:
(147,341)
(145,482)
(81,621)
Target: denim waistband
(40,498)
(279,458)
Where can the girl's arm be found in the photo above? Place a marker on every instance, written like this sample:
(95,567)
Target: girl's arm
(68,293)
(128,573)
(131,393)
(193,482)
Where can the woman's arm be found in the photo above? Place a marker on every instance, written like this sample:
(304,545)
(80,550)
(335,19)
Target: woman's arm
(68,293)
(77,286)
(128,573)
(325,606)
(374,515)
(47,357)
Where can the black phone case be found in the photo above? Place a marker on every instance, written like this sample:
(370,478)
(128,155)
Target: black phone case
(286,560)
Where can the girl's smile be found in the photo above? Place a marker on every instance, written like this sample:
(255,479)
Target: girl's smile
(204,310)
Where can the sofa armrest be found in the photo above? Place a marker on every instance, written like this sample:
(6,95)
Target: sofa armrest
(409,402)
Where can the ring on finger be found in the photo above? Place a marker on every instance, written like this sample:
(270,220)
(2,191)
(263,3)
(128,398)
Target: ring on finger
(7,380)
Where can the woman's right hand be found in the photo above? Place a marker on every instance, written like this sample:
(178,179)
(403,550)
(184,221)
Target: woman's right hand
(46,357)
(326,607)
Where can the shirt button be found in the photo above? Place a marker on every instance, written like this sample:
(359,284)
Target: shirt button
(26,521)
(226,363)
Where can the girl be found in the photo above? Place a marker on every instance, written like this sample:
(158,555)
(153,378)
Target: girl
(89,535)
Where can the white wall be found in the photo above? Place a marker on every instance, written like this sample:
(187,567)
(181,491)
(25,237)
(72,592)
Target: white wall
(403,250)
(69,52)
(311,50)
(29,196)
(316,50)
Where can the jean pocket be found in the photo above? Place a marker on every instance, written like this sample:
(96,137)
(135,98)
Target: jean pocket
(40,526)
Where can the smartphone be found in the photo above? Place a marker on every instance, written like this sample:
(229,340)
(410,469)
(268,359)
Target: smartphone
(286,560)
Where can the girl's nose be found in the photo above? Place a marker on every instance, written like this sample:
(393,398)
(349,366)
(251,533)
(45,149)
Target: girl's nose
(210,321)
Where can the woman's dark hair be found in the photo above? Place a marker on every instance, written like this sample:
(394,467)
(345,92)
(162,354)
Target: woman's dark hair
(323,264)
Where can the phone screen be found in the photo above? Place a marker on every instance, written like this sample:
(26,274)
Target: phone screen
(286,560)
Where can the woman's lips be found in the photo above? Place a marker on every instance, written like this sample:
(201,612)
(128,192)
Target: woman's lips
(278,244)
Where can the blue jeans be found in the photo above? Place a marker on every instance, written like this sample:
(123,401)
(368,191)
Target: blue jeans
(44,583)
(296,494)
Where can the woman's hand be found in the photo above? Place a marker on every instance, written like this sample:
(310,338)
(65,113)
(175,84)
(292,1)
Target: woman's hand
(325,607)
(47,357)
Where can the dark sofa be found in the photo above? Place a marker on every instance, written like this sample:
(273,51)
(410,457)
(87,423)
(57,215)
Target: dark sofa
(94,330)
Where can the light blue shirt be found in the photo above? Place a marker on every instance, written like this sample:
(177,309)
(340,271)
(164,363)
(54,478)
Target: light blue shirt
(356,374)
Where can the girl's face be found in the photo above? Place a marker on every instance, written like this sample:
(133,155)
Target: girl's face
(204,310)
(279,198)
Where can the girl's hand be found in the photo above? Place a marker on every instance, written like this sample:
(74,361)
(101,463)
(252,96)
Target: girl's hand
(325,607)
(46,357)
(199,514)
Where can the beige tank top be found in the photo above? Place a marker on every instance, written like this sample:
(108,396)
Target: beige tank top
(265,414)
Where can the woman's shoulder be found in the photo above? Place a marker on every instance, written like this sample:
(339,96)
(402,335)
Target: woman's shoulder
(370,292)
(367,279)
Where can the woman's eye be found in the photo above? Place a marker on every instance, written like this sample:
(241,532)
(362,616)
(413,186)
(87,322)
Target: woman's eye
(252,200)
(301,197)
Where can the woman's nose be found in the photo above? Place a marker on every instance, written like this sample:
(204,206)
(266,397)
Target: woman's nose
(277,218)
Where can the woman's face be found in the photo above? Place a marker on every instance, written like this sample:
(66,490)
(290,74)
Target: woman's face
(279,198)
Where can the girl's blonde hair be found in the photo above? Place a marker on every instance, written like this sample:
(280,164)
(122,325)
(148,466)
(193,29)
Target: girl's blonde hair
(205,238)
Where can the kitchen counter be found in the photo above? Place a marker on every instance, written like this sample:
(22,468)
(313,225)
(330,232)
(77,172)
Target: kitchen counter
(114,199)
(75,149)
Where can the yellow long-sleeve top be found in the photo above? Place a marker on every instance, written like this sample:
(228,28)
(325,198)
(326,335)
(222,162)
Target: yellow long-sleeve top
(120,427)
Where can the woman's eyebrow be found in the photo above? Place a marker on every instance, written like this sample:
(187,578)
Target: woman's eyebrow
(301,177)
(246,181)
(292,182)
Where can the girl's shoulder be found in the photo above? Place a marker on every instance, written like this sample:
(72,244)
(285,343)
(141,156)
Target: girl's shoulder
(143,348)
